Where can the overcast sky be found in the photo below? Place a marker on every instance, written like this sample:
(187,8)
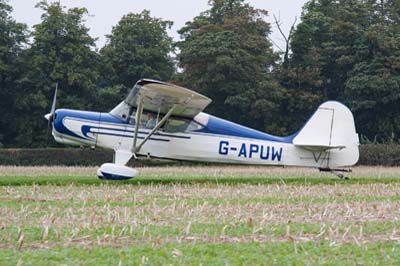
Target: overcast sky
(105,14)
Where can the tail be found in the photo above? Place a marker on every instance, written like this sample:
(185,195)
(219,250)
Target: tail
(331,129)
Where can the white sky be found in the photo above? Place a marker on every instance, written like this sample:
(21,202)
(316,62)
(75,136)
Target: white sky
(105,14)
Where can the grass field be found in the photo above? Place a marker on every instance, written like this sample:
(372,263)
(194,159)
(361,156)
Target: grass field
(199,216)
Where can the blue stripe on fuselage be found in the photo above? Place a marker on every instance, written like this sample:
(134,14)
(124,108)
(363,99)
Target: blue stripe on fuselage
(126,136)
(219,126)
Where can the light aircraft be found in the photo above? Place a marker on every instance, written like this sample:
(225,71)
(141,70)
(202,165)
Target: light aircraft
(162,120)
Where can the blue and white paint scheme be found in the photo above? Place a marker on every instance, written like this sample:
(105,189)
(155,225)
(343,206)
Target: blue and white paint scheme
(172,125)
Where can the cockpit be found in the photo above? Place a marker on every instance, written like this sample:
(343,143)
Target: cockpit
(150,119)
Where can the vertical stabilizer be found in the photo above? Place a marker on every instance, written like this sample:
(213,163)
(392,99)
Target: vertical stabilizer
(331,128)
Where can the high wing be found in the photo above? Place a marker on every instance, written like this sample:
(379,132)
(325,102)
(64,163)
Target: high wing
(158,96)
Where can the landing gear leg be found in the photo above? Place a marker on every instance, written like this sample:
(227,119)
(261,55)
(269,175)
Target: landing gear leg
(337,172)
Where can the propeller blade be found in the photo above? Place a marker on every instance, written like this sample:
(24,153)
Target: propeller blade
(50,116)
(53,106)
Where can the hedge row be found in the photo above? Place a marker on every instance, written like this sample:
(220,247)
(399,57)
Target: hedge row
(370,154)
(69,157)
(54,156)
(380,154)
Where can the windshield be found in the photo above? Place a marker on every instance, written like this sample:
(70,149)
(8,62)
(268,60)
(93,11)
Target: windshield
(132,96)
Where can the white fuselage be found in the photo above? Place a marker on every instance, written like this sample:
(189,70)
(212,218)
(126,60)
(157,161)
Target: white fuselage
(71,128)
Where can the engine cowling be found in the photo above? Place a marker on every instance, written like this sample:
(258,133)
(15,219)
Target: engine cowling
(112,171)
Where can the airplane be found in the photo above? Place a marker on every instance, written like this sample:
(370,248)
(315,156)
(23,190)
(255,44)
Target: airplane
(162,120)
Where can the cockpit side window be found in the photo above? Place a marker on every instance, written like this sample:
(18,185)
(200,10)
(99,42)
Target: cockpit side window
(150,120)
(175,125)
(147,120)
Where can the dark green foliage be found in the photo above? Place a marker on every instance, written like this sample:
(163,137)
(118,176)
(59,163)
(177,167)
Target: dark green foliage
(225,54)
(13,37)
(61,52)
(138,47)
(349,51)
(107,98)
(373,89)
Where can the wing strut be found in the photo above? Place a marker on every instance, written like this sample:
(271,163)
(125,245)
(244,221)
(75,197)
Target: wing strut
(139,112)
(159,124)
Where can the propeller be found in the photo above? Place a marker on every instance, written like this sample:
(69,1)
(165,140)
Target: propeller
(50,116)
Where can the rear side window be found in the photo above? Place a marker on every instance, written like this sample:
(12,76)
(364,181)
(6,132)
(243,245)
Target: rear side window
(176,125)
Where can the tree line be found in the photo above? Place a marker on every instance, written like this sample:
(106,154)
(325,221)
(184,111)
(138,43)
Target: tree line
(345,50)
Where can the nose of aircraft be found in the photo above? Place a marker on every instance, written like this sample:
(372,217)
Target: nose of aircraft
(47,116)
(51,116)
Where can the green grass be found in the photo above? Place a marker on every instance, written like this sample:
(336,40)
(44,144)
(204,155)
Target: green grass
(202,232)
(193,179)
(191,218)
(309,253)
(164,201)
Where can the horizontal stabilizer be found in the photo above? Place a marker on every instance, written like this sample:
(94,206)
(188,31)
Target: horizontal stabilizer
(318,148)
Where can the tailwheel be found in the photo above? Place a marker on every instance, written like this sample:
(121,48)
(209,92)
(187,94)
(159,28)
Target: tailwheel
(337,172)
